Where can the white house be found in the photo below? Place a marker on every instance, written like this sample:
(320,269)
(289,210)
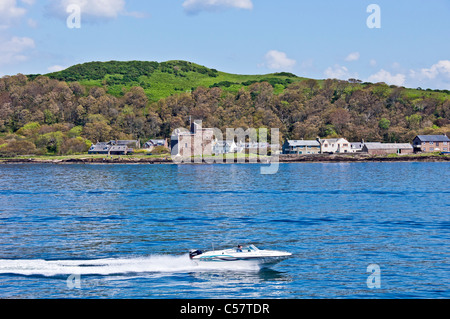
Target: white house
(356,147)
(224,147)
(334,145)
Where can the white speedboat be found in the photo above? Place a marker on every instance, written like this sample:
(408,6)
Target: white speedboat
(247,253)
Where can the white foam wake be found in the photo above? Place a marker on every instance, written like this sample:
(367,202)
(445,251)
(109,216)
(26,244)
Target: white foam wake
(151,264)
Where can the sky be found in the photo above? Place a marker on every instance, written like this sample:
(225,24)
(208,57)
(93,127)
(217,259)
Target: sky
(405,43)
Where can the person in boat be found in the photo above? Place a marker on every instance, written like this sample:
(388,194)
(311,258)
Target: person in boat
(239,249)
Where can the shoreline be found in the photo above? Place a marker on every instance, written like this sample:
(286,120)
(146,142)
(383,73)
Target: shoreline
(282,159)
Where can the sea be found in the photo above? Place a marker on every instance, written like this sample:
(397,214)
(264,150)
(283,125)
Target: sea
(355,230)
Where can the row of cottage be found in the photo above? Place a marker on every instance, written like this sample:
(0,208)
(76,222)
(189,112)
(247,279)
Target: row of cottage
(183,142)
(202,141)
(124,147)
(421,144)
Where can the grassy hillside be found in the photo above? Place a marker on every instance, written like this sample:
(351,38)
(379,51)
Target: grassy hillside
(160,80)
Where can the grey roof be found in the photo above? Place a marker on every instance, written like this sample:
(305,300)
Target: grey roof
(303,143)
(356,145)
(433,138)
(156,142)
(385,146)
(123,142)
(99,148)
(120,148)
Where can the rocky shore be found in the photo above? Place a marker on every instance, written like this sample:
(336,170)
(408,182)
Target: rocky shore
(322,158)
(354,158)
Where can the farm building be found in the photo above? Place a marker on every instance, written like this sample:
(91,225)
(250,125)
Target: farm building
(387,148)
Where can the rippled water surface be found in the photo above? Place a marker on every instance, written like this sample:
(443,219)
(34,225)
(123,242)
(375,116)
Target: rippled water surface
(124,231)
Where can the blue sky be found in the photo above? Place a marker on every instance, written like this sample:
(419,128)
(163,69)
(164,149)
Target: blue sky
(317,39)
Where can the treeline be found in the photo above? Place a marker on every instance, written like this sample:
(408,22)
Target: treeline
(125,72)
(40,115)
(272,81)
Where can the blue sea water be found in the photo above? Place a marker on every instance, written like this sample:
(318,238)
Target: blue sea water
(123,231)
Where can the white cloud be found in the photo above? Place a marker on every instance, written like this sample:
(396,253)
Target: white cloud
(9,8)
(388,78)
(277,60)
(9,11)
(339,72)
(17,44)
(196,6)
(440,69)
(373,62)
(354,56)
(15,49)
(436,76)
(91,10)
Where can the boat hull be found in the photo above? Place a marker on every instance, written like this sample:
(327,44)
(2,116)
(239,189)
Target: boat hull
(225,258)
(254,255)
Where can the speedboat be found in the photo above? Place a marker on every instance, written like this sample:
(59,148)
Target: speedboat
(247,253)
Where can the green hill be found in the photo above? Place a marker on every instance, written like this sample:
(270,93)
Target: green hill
(160,80)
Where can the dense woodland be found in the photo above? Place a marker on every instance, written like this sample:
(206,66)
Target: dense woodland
(61,114)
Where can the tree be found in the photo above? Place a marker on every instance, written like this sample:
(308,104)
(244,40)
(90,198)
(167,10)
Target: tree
(339,118)
(21,117)
(384,124)
(18,147)
(306,130)
(76,88)
(136,97)
(51,141)
(97,92)
(74,146)
(97,131)
(153,125)
(75,132)
(29,129)
(312,87)
(414,121)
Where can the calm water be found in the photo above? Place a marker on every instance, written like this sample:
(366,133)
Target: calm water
(124,230)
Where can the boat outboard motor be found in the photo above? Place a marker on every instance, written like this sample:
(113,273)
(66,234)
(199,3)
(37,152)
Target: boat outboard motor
(194,252)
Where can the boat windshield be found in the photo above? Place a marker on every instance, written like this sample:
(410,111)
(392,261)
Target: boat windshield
(249,248)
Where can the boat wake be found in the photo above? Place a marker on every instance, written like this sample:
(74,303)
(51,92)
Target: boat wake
(118,266)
